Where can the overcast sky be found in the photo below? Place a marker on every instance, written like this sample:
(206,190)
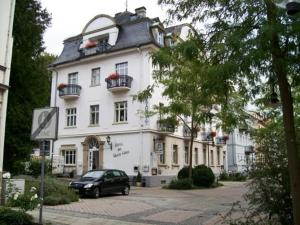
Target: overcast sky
(70,16)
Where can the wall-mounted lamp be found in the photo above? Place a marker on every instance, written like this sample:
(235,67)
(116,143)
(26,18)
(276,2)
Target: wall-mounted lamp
(109,142)
(293,7)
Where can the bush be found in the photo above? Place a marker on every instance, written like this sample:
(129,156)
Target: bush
(56,200)
(203,176)
(55,188)
(180,184)
(224,176)
(183,173)
(34,168)
(14,217)
(232,176)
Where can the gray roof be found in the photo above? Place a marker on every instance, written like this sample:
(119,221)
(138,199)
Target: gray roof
(133,32)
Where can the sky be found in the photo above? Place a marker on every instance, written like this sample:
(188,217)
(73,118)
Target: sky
(70,16)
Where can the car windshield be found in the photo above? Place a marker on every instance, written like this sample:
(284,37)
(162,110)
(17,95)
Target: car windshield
(93,174)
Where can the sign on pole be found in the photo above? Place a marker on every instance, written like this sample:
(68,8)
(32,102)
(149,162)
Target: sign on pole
(44,124)
(44,127)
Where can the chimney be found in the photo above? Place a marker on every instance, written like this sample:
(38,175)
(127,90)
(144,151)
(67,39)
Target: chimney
(141,12)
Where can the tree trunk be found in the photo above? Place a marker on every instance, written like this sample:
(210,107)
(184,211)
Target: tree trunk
(288,113)
(191,152)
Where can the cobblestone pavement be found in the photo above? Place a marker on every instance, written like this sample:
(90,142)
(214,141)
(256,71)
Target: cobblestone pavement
(149,206)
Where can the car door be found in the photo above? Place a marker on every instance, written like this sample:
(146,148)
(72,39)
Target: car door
(108,182)
(118,181)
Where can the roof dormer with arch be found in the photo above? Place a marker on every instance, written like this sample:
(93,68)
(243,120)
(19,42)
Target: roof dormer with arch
(101,27)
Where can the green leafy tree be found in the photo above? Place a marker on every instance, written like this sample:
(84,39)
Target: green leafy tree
(29,81)
(185,73)
(260,43)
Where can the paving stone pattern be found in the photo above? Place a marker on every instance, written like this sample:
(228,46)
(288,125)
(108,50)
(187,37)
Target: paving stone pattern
(149,206)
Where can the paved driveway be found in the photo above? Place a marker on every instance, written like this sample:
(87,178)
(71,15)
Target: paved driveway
(150,206)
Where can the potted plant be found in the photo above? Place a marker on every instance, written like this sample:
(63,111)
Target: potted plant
(90,44)
(139,179)
(61,86)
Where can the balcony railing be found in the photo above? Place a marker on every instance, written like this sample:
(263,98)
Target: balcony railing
(99,48)
(186,132)
(121,83)
(165,128)
(221,140)
(249,149)
(206,136)
(69,91)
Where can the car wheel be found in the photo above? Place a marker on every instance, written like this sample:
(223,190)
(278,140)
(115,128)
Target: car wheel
(97,192)
(126,190)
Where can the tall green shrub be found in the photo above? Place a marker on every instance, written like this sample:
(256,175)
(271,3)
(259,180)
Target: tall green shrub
(183,173)
(203,176)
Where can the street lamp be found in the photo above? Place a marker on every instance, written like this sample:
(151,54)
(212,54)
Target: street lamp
(293,7)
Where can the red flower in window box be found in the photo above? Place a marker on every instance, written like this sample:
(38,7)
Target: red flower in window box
(113,76)
(213,133)
(61,86)
(90,44)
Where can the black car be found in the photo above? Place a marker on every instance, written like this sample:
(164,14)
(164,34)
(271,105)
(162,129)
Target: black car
(97,182)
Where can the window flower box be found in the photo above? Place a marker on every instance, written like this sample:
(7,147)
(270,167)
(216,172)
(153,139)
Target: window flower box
(213,133)
(113,76)
(61,86)
(91,44)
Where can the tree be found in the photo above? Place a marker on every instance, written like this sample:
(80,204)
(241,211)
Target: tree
(29,82)
(187,79)
(256,39)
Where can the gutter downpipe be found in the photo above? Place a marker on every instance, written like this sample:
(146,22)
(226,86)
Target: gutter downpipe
(55,99)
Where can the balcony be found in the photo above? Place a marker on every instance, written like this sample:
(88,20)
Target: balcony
(94,49)
(186,132)
(249,149)
(165,128)
(118,83)
(208,136)
(221,140)
(69,91)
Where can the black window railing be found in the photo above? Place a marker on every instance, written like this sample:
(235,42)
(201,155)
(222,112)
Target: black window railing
(120,81)
(69,89)
(165,127)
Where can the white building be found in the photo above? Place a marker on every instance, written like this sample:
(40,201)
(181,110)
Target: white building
(241,147)
(7,8)
(100,126)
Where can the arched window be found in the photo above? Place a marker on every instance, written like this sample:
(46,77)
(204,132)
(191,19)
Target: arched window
(93,143)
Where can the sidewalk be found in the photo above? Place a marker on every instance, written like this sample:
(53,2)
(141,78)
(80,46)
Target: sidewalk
(76,219)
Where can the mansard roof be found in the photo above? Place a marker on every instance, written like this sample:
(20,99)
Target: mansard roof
(133,31)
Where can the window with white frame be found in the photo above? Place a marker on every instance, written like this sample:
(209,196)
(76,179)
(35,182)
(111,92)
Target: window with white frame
(196,156)
(122,68)
(175,154)
(186,155)
(69,156)
(95,79)
(120,112)
(73,78)
(71,117)
(94,114)
(160,38)
(162,155)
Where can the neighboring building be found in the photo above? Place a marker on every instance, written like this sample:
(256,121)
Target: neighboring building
(241,148)
(7,8)
(100,126)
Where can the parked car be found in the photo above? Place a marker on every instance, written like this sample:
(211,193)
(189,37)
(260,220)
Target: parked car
(97,182)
